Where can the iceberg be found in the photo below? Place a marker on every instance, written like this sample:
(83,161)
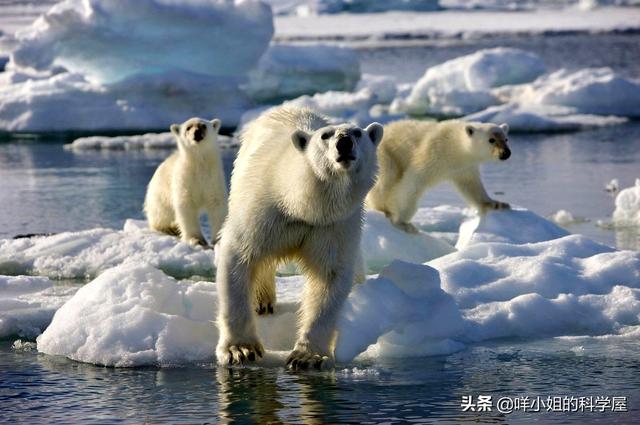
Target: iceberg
(288,71)
(141,78)
(463,85)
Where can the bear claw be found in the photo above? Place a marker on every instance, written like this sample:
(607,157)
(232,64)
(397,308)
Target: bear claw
(302,360)
(263,309)
(239,354)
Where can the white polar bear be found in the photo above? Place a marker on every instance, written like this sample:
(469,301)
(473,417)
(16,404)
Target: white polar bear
(297,193)
(190,181)
(416,155)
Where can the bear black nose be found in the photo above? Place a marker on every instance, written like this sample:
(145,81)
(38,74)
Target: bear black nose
(197,135)
(505,154)
(344,145)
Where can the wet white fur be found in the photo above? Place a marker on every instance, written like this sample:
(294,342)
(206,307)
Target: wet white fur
(291,200)
(187,183)
(416,155)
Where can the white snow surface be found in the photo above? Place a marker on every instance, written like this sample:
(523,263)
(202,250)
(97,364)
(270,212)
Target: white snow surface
(28,303)
(501,286)
(288,71)
(627,212)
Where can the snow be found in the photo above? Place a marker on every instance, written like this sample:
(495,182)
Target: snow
(461,86)
(136,142)
(563,218)
(288,71)
(627,212)
(85,254)
(28,303)
(140,79)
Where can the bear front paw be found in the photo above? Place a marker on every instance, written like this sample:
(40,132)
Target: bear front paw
(407,227)
(239,354)
(496,205)
(198,241)
(264,308)
(303,360)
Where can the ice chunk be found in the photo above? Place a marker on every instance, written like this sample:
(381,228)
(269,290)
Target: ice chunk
(382,243)
(542,118)
(402,313)
(147,37)
(316,7)
(627,212)
(85,254)
(597,91)
(288,71)
(27,304)
(517,226)
(462,86)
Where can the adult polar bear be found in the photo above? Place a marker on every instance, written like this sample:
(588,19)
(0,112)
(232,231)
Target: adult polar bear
(416,155)
(297,192)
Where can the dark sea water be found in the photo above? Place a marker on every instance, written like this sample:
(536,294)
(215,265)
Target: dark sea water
(45,188)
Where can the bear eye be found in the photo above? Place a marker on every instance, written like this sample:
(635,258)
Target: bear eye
(357,133)
(492,140)
(325,135)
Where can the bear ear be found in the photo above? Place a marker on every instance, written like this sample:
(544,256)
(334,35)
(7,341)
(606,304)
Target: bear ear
(300,140)
(505,128)
(470,130)
(216,123)
(175,129)
(375,132)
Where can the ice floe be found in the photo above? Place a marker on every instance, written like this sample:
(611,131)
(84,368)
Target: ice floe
(503,285)
(28,303)
(137,142)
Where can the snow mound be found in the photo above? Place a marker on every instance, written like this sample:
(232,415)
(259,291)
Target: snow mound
(146,37)
(28,303)
(382,243)
(462,85)
(517,226)
(598,91)
(140,78)
(85,254)
(288,71)
(536,118)
(627,212)
(136,142)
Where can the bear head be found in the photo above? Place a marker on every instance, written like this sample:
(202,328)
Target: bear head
(488,142)
(340,150)
(196,133)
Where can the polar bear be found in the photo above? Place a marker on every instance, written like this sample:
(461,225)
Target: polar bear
(188,182)
(416,155)
(297,192)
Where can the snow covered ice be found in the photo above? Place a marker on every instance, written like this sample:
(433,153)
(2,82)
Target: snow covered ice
(627,212)
(539,282)
(143,141)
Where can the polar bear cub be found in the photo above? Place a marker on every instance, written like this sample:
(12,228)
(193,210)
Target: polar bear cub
(189,182)
(297,193)
(416,155)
